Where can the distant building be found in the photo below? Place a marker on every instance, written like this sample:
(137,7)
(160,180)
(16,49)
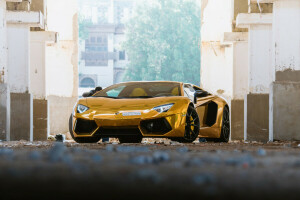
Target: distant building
(102,61)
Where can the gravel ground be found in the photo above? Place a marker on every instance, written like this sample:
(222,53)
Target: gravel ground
(155,169)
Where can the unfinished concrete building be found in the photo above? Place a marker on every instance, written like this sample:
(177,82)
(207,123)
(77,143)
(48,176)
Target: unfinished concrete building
(39,74)
(258,72)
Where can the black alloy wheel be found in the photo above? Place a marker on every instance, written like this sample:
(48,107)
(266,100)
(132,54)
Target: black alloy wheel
(192,126)
(93,139)
(225,130)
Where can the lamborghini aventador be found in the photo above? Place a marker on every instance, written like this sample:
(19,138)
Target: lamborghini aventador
(130,111)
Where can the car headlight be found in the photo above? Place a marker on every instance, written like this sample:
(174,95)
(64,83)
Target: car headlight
(163,108)
(82,108)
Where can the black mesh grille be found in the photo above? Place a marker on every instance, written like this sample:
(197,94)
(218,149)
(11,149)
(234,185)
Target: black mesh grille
(85,126)
(119,131)
(156,126)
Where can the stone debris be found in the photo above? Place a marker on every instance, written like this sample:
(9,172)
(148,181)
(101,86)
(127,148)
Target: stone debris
(131,149)
(51,138)
(183,150)
(57,153)
(174,143)
(160,156)
(261,152)
(244,161)
(142,160)
(156,158)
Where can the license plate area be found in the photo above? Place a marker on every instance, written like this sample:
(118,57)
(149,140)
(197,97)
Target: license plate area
(127,114)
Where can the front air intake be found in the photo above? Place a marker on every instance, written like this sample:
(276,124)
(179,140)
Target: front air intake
(83,126)
(156,126)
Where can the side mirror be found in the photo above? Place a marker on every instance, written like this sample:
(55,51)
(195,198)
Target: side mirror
(86,94)
(200,94)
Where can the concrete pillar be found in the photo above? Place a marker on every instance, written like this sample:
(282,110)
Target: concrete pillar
(285,91)
(4,90)
(256,112)
(18,39)
(38,42)
(239,43)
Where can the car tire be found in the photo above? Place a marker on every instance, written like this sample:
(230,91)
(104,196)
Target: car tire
(192,127)
(225,130)
(94,139)
(130,139)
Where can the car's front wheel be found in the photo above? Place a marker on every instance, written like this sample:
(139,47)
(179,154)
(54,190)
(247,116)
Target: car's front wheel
(94,139)
(192,127)
(130,139)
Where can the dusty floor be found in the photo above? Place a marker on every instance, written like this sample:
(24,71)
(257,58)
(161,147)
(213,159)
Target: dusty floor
(151,170)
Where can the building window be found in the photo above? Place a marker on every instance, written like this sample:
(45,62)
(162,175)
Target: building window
(121,55)
(96,52)
(87,83)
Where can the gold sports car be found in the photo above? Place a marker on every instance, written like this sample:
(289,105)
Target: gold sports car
(133,110)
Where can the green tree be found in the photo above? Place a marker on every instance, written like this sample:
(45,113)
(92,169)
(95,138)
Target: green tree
(162,41)
(83,27)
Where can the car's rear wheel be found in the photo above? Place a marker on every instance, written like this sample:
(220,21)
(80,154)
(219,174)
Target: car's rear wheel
(225,130)
(136,139)
(94,139)
(192,126)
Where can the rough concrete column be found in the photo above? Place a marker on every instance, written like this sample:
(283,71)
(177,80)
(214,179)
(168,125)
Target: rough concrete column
(38,82)
(261,75)
(18,71)
(239,43)
(18,40)
(4,89)
(5,112)
(284,101)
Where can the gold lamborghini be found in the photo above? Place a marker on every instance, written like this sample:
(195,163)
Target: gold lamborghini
(133,110)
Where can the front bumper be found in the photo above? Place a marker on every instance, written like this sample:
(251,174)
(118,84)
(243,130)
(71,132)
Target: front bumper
(116,125)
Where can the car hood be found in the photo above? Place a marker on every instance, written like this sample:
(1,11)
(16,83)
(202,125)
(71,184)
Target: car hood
(114,105)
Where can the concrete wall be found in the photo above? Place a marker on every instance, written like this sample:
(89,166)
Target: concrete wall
(40,119)
(217,16)
(21,124)
(285,109)
(217,68)
(284,95)
(37,66)
(257,117)
(4,89)
(3,44)
(60,111)
(224,57)
(286,33)
(5,111)
(18,58)
(62,63)
(240,69)
(260,58)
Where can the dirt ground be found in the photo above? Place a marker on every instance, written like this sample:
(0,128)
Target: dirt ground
(155,169)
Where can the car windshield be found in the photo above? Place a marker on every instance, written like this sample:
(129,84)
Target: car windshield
(141,90)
